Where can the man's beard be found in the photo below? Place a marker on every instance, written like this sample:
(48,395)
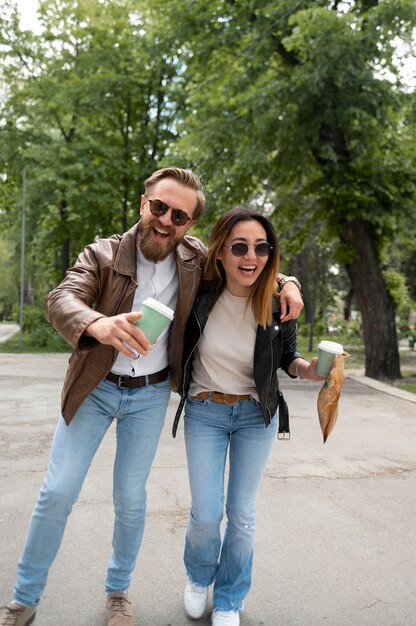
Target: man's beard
(150,249)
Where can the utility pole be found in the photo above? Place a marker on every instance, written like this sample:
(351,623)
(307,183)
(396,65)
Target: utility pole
(22,259)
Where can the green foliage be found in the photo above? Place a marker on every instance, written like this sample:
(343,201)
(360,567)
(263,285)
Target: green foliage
(9,293)
(291,106)
(289,109)
(348,330)
(396,285)
(55,343)
(37,331)
(320,327)
(33,319)
(87,116)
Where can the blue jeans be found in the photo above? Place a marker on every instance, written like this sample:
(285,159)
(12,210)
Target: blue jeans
(211,431)
(140,415)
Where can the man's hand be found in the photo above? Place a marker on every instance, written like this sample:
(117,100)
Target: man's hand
(120,330)
(291,303)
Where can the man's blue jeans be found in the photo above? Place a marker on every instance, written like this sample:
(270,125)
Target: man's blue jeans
(140,415)
(211,430)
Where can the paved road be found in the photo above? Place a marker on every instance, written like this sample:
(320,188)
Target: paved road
(336,522)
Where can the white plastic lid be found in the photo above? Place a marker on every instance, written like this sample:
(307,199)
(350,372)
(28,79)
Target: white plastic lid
(159,307)
(331,346)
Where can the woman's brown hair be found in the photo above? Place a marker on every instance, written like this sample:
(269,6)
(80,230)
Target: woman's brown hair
(265,287)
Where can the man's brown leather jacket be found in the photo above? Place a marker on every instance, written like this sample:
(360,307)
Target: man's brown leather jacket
(102,283)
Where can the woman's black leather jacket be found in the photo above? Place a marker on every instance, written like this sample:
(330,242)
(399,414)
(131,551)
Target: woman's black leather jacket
(276,346)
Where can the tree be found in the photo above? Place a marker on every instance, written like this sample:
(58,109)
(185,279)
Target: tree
(86,113)
(295,96)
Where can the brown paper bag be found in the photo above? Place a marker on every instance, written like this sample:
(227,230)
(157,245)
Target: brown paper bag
(329,395)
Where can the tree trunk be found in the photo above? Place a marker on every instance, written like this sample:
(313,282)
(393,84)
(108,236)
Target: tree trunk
(377,308)
(348,304)
(298,267)
(315,297)
(127,155)
(66,248)
(65,257)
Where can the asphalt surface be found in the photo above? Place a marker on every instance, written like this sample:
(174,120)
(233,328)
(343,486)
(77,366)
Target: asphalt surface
(335,541)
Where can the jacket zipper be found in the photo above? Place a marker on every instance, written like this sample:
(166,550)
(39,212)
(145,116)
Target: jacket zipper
(269,384)
(270,381)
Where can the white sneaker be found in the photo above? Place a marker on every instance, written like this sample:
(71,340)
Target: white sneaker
(226,618)
(195,600)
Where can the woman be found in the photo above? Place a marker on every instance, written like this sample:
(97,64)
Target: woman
(233,347)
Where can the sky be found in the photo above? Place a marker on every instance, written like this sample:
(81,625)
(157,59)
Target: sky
(28,10)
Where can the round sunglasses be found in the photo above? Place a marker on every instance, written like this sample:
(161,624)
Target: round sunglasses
(241,248)
(158,208)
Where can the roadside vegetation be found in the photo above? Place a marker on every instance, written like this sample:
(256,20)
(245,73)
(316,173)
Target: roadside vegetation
(355,348)
(40,337)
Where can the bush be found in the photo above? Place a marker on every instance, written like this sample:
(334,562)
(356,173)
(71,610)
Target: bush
(349,329)
(36,325)
(304,328)
(33,319)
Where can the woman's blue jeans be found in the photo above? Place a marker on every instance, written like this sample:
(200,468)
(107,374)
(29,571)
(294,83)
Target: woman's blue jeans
(211,431)
(140,415)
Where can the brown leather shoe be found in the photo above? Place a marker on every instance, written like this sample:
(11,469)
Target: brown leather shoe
(17,615)
(119,609)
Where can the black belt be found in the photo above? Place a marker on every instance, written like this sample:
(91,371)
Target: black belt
(133,382)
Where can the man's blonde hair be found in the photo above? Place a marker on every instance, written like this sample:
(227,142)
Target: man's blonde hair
(185,177)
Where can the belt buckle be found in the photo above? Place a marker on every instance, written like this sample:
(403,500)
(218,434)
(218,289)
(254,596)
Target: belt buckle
(283,435)
(120,382)
(229,398)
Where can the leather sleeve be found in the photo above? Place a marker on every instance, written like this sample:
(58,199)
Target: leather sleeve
(290,345)
(70,305)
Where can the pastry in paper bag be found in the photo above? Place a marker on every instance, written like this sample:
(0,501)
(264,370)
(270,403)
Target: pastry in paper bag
(329,395)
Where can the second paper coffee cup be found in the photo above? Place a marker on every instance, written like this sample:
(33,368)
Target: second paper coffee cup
(326,352)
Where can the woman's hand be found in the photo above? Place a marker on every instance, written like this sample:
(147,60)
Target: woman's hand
(310,371)
(306,370)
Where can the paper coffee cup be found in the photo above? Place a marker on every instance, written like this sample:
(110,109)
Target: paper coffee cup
(156,317)
(326,352)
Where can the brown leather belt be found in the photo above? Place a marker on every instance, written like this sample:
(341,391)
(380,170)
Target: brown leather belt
(133,382)
(224,398)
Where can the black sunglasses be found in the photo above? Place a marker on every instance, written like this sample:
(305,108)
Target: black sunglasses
(158,208)
(241,249)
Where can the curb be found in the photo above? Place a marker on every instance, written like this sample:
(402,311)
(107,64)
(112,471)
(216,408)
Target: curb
(383,387)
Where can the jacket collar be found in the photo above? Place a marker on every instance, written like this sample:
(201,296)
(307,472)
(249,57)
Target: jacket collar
(125,261)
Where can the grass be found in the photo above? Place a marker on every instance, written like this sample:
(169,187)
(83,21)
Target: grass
(352,345)
(408,382)
(54,343)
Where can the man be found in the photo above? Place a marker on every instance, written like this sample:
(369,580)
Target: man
(115,373)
